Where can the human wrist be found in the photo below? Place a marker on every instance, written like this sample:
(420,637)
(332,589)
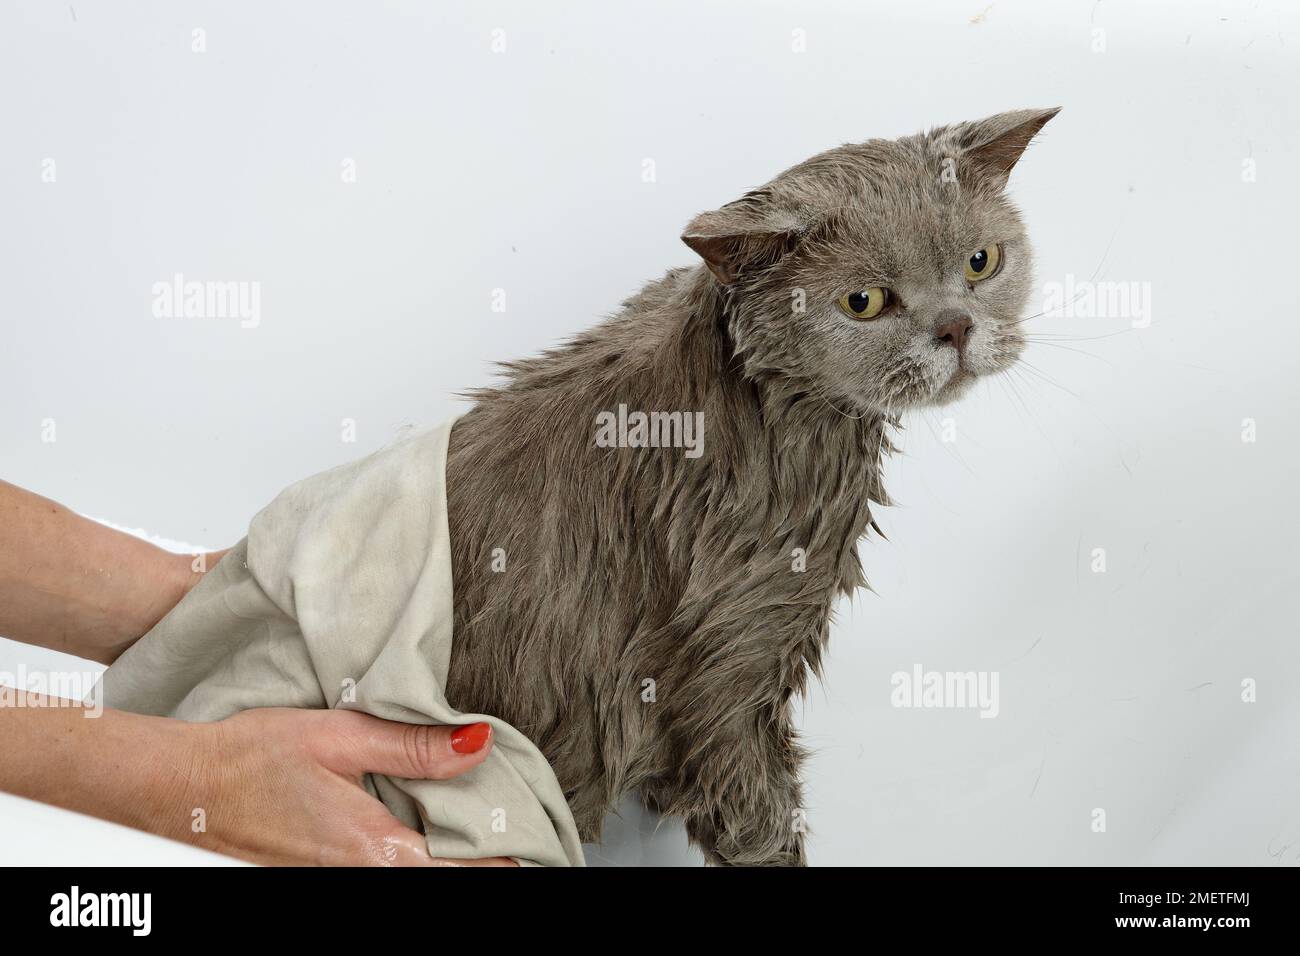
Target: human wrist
(159,579)
(163,579)
(165,776)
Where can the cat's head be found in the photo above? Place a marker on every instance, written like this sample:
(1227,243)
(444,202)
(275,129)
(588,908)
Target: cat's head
(884,275)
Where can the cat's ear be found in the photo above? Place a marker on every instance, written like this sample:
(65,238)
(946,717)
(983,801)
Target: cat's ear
(994,145)
(741,235)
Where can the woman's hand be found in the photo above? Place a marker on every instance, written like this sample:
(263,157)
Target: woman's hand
(297,796)
(270,786)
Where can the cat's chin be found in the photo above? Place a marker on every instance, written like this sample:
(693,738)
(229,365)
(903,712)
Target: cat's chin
(955,388)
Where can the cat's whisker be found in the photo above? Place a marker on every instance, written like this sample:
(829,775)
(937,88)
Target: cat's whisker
(1084,352)
(1017,400)
(1029,384)
(832,405)
(1030,368)
(1026,369)
(1076,338)
(1091,279)
(1002,378)
(1018,379)
(952,452)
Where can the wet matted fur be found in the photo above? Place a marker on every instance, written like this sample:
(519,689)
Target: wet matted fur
(646,616)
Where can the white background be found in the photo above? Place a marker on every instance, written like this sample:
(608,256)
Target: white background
(523,170)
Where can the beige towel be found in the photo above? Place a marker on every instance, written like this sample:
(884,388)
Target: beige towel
(341,596)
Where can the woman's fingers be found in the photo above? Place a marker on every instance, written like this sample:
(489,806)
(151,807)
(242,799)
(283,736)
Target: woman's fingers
(362,744)
(490,861)
(385,841)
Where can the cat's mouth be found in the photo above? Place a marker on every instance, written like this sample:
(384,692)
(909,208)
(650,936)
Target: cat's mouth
(945,374)
(960,380)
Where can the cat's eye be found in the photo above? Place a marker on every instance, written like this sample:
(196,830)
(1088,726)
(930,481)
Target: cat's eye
(866,304)
(984,264)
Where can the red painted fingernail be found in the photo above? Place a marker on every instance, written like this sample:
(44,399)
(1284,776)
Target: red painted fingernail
(470,739)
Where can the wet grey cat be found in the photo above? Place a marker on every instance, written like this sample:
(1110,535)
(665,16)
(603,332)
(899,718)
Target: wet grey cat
(646,615)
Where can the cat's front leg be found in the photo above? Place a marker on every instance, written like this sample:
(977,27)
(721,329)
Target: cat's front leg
(745,803)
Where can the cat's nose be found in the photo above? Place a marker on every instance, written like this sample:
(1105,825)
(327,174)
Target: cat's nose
(952,328)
